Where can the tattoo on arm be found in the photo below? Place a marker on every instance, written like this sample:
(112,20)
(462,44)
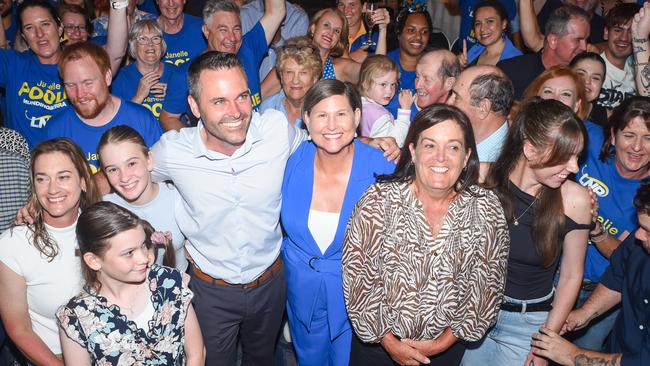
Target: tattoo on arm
(584,360)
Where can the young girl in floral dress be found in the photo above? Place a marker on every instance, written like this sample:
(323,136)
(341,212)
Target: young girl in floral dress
(130,312)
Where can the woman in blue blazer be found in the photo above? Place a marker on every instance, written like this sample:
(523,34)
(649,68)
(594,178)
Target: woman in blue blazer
(323,181)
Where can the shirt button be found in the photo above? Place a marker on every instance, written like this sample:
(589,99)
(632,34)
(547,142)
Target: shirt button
(645,301)
(641,327)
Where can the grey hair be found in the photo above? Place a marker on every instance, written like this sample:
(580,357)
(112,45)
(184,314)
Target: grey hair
(213,6)
(559,20)
(495,88)
(449,67)
(137,28)
(212,60)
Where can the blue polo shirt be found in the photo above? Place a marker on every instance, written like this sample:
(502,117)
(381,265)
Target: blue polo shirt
(406,81)
(126,85)
(629,274)
(188,43)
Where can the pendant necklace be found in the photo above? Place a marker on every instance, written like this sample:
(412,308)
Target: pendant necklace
(516,220)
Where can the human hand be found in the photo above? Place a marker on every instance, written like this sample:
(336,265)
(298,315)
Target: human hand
(144,85)
(577,319)
(159,90)
(641,22)
(26,213)
(388,145)
(549,344)
(381,18)
(402,353)
(405,99)
(428,348)
(534,360)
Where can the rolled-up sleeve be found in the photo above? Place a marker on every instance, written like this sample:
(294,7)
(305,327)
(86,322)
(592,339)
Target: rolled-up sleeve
(362,284)
(480,279)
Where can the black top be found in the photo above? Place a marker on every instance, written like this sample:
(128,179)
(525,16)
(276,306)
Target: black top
(527,278)
(597,22)
(598,115)
(522,70)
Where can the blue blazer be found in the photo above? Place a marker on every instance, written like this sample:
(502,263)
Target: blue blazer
(509,51)
(307,269)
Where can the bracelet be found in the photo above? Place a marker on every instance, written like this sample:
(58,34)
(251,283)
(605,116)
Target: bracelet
(599,233)
(593,238)
(639,63)
(119,4)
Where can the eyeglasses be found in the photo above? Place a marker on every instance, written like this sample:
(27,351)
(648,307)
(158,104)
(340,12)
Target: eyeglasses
(70,28)
(147,40)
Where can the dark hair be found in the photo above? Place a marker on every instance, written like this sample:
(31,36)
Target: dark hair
(498,7)
(40,237)
(121,133)
(80,50)
(169,259)
(96,226)
(547,125)
(593,56)
(621,14)
(642,198)
(212,60)
(559,19)
(496,88)
(36,4)
(76,9)
(327,88)
(425,119)
(629,109)
(403,16)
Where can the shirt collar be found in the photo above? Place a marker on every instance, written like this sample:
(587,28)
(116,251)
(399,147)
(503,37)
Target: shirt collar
(252,136)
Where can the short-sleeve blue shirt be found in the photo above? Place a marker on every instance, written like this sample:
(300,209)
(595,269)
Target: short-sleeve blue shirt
(406,81)
(34,93)
(67,124)
(126,85)
(187,43)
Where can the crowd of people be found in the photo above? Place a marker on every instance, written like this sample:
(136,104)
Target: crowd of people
(182,190)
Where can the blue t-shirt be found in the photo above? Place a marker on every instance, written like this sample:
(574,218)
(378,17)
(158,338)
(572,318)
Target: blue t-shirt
(616,212)
(34,94)
(467,19)
(150,7)
(126,85)
(187,43)
(250,54)
(406,81)
(67,124)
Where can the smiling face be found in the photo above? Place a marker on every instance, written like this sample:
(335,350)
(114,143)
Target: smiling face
(332,124)
(126,260)
(382,88)
(58,187)
(147,51)
(41,32)
(224,107)
(74,26)
(327,31)
(619,40)
(86,87)
(352,11)
(562,89)
(551,176)
(592,74)
(429,87)
(223,32)
(632,146)
(439,157)
(128,171)
(415,35)
(296,79)
(572,43)
(171,9)
(488,26)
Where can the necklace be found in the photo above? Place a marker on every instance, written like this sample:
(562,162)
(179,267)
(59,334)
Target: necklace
(516,220)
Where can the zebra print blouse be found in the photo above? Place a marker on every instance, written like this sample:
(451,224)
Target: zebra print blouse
(398,278)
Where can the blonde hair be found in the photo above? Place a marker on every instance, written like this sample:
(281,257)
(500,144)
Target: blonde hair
(342,45)
(372,68)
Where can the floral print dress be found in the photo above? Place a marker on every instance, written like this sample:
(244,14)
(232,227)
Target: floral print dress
(112,339)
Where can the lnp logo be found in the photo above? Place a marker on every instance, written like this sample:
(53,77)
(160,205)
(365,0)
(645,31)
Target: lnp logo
(599,188)
(37,122)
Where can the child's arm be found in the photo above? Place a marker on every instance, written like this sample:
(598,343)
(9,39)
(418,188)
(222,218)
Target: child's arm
(194,348)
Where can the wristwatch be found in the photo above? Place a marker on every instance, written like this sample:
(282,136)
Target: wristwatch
(119,4)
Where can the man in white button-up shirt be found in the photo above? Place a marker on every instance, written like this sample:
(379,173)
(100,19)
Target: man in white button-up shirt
(229,171)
